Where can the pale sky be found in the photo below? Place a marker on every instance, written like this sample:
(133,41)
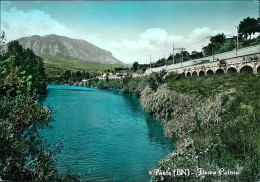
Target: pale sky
(131,30)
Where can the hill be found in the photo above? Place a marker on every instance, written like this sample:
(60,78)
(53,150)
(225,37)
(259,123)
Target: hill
(64,47)
(55,66)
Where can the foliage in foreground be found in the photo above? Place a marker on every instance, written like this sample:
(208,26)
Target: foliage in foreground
(23,153)
(21,71)
(222,110)
(218,160)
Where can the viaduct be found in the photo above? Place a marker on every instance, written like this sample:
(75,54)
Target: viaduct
(233,65)
(242,60)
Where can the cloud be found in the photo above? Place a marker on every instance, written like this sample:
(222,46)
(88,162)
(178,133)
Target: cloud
(154,41)
(94,38)
(114,45)
(18,24)
(155,35)
(199,32)
(157,43)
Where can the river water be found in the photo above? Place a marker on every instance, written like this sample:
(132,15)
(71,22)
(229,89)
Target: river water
(105,133)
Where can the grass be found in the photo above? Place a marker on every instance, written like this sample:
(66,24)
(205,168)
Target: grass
(239,131)
(54,66)
(205,87)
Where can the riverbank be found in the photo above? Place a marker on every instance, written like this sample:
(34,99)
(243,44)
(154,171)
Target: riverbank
(213,122)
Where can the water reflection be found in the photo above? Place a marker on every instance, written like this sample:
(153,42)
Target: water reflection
(155,131)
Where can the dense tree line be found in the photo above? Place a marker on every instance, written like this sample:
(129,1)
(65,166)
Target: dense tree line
(23,154)
(178,58)
(129,84)
(73,76)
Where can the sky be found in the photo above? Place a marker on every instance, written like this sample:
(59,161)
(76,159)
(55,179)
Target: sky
(131,30)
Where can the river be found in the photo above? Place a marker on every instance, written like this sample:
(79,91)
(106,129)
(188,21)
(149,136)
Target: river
(105,133)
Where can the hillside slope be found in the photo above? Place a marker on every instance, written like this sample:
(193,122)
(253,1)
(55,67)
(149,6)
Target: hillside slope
(54,66)
(61,46)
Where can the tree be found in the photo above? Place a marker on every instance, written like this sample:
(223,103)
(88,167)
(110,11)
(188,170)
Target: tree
(117,69)
(21,71)
(2,41)
(169,59)
(135,66)
(21,148)
(78,74)
(196,55)
(219,38)
(24,156)
(185,55)
(177,57)
(247,27)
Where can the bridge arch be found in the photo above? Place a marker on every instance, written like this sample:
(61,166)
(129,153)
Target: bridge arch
(201,73)
(188,74)
(258,69)
(219,71)
(194,73)
(210,72)
(231,70)
(246,69)
(182,74)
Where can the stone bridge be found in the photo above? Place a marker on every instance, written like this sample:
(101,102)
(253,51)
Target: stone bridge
(249,63)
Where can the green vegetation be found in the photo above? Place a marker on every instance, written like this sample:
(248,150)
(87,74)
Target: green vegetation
(128,84)
(56,66)
(247,27)
(219,43)
(214,121)
(251,42)
(23,153)
(135,66)
(222,110)
(178,57)
(69,77)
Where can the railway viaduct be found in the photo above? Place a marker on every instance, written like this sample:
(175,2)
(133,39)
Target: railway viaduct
(240,64)
(241,60)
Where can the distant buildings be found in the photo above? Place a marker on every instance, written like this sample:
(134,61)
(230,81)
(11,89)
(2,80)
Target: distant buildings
(118,76)
(112,76)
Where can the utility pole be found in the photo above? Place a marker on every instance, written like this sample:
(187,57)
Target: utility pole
(212,47)
(182,56)
(181,49)
(237,43)
(153,62)
(173,53)
(150,62)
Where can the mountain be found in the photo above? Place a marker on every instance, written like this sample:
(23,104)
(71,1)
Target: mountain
(61,46)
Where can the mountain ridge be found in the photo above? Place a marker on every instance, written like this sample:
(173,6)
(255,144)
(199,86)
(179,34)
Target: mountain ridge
(62,46)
